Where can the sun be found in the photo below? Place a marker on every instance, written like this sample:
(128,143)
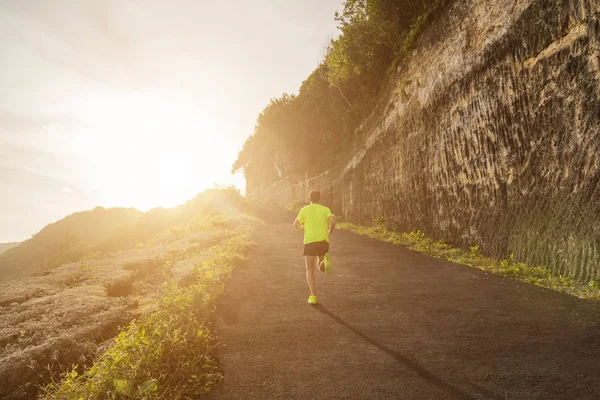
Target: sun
(144,150)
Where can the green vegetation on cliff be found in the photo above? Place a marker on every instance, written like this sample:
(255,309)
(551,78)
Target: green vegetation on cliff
(293,130)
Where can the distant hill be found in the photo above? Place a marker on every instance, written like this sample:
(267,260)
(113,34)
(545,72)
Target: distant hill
(66,240)
(7,246)
(87,233)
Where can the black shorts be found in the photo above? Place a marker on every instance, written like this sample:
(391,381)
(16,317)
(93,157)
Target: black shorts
(316,248)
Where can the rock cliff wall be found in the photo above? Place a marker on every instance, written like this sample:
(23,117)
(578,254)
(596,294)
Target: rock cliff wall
(489,135)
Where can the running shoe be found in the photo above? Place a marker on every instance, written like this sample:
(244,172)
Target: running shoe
(312,300)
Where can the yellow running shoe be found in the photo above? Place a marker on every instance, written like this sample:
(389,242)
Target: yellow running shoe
(328,264)
(312,300)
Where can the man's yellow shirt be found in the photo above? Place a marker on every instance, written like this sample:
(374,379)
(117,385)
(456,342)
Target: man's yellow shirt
(315,218)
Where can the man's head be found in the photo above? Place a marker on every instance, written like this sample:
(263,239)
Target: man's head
(314,196)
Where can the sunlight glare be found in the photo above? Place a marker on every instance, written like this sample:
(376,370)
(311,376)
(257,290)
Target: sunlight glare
(144,151)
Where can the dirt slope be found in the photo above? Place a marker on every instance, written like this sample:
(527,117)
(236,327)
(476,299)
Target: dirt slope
(395,324)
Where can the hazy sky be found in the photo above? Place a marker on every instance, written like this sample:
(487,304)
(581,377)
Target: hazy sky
(138,103)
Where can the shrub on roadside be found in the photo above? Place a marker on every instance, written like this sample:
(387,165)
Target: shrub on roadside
(166,354)
(509,267)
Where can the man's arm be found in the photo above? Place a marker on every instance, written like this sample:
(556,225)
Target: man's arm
(298,225)
(331,219)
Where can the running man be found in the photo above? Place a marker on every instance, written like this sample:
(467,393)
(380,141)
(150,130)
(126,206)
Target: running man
(318,222)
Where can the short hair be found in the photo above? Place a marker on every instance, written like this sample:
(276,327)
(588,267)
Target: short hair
(314,196)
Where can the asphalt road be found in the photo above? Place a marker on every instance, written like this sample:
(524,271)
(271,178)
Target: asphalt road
(395,324)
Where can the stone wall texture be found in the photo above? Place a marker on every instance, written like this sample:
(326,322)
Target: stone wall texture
(489,136)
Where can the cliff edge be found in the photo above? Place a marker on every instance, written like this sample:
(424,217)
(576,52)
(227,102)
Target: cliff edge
(489,135)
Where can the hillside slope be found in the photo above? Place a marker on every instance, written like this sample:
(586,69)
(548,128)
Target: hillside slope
(488,135)
(90,234)
(69,314)
(66,240)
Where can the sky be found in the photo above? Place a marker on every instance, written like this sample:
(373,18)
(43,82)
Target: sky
(135,103)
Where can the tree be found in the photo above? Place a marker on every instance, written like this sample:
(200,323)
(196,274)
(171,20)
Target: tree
(298,135)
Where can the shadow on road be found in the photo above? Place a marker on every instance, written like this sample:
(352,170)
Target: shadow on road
(419,370)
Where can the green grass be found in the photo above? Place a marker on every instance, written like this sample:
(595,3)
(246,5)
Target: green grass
(539,276)
(166,354)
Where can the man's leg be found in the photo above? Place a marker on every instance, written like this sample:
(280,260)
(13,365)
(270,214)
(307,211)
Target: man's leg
(310,273)
(325,264)
(321,263)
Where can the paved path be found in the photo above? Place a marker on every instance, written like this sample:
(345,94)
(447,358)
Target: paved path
(394,324)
